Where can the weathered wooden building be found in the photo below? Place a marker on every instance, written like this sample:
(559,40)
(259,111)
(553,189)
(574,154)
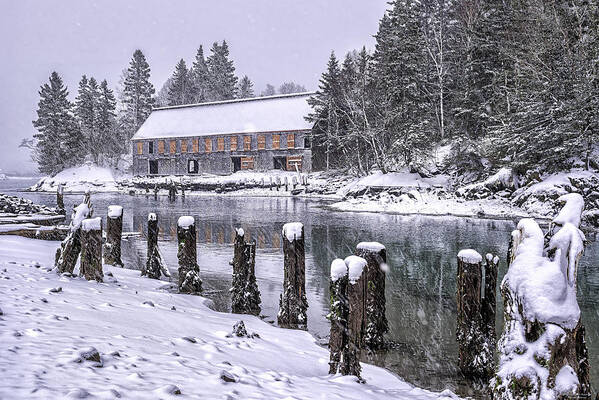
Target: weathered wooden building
(222,137)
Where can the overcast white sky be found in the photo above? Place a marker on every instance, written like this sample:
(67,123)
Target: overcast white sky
(270,40)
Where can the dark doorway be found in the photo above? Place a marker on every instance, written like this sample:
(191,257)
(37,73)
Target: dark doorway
(153,167)
(236,163)
(280,163)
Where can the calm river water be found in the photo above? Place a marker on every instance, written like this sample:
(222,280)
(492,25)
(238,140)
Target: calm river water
(421,251)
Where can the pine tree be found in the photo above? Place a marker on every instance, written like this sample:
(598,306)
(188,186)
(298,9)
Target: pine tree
(58,141)
(179,90)
(109,141)
(137,94)
(246,88)
(325,117)
(200,77)
(222,82)
(291,87)
(269,90)
(86,110)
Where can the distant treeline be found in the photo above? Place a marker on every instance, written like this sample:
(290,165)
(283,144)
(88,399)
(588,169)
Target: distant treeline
(511,82)
(99,124)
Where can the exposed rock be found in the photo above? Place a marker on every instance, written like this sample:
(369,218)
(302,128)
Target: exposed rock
(227,376)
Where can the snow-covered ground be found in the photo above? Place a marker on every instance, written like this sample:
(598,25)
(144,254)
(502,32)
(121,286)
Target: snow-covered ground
(80,179)
(151,343)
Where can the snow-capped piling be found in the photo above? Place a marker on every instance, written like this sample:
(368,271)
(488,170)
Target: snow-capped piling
(68,253)
(338,314)
(376,321)
(356,320)
(189,270)
(114,232)
(245,296)
(542,350)
(172,191)
(91,249)
(293,303)
(154,264)
(60,199)
(476,316)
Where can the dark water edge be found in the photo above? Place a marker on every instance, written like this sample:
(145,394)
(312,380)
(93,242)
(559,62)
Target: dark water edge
(420,290)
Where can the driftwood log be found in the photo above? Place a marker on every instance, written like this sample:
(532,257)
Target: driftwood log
(114,232)
(376,321)
(189,270)
(339,313)
(356,322)
(91,249)
(293,304)
(245,296)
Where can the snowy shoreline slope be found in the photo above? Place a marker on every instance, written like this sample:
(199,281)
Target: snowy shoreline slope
(152,343)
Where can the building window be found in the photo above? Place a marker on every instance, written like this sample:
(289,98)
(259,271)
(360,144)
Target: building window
(161,146)
(261,142)
(290,140)
(276,142)
(195,144)
(247,143)
(184,146)
(192,167)
(294,163)
(220,144)
(140,148)
(173,146)
(247,163)
(151,147)
(208,145)
(233,143)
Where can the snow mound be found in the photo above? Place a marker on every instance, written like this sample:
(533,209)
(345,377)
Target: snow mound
(470,256)
(79,179)
(115,211)
(185,221)
(293,230)
(374,247)
(338,269)
(355,266)
(91,224)
(80,213)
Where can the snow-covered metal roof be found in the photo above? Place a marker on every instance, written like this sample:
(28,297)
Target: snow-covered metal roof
(259,114)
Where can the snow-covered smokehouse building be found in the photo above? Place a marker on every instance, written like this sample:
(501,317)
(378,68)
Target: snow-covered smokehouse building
(261,134)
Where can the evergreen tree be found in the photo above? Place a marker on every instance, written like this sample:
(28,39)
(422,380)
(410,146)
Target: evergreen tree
(179,91)
(325,115)
(246,88)
(109,140)
(58,141)
(269,90)
(86,110)
(291,87)
(137,94)
(199,77)
(222,82)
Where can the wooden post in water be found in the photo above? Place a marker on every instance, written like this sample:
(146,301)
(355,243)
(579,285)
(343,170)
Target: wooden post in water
(356,321)
(339,313)
(245,296)
(154,264)
(376,321)
(293,303)
(470,335)
(68,253)
(60,199)
(286,184)
(91,249)
(189,270)
(114,232)
(489,305)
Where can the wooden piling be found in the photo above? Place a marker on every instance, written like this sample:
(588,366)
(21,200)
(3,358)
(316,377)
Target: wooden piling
(60,200)
(114,232)
(470,332)
(154,264)
(293,303)
(489,301)
(338,314)
(189,270)
(245,296)
(356,321)
(91,249)
(68,253)
(377,325)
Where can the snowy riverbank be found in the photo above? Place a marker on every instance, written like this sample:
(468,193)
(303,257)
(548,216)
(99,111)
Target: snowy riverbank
(151,342)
